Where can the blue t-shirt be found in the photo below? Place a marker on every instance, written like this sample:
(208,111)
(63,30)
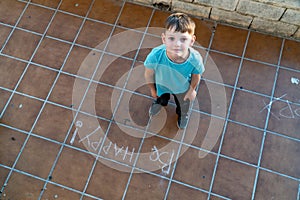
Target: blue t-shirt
(172,77)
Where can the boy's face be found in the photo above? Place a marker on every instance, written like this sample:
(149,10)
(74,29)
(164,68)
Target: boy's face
(177,43)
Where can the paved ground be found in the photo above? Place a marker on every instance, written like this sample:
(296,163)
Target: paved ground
(74,109)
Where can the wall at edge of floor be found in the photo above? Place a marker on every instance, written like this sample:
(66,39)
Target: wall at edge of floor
(275,17)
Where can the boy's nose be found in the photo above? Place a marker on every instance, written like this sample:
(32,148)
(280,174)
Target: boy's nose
(177,42)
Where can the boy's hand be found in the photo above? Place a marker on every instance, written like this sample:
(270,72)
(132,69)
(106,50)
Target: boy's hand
(190,95)
(153,93)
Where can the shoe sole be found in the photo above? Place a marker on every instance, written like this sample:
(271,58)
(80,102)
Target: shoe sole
(152,114)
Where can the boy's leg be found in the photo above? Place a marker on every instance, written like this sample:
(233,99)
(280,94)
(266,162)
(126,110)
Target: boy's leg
(158,103)
(182,109)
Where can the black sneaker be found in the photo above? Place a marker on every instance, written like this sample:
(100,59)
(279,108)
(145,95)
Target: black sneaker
(154,109)
(182,122)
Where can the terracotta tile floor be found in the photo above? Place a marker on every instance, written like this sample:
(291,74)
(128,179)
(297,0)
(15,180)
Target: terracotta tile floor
(74,108)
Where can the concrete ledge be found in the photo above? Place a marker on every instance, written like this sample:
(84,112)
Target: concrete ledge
(223,4)
(193,9)
(260,9)
(275,27)
(230,17)
(275,17)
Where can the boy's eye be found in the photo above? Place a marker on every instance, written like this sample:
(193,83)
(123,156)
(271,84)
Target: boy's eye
(183,39)
(171,38)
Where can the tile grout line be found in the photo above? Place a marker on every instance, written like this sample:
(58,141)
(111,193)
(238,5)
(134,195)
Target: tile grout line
(228,115)
(298,197)
(110,121)
(4,45)
(121,95)
(26,140)
(267,122)
(184,131)
(15,26)
(53,85)
(188,145)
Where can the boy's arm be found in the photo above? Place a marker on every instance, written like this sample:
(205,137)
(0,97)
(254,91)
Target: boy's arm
(191,94)
(149,76)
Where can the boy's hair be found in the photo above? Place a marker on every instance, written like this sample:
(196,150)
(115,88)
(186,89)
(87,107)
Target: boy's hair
(181,22)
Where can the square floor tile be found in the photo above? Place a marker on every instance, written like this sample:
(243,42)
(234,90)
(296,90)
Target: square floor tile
(179,192)
(48,3)
(148,44)
(150,186)
(21,44)
(51,53)
(64,26)
(101,100)
(11,70)
(106,10)
(132,110)
(221,68)
(54,122)
(134,16)
(213,98)
(3,175)
(229,39)
(158,155)
(285,85)
(21,112)
(203,32)
(263,43)
(82,61)
(16,189)
(290,54)
(256,116)
(234,180)
(273,186)
(204,131)
(90,133)
(242,143)
(4,98)
(281,149)
(107,182)
(113,70)
(68,91)
(79,7)
(122,144)
(158,20)
(284,118)
(73,168)
(136,81)
(4,33)
(165,123)
(127,49)
(15,9)
(37,157)
(36,19)
(197,173)
(257,77)
(10,145)
(94,34)
(34,76)
(54,192)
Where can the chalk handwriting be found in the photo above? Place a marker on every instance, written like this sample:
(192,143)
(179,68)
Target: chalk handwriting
(78,124)
(156,156)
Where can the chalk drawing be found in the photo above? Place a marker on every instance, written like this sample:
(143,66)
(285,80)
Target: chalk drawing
(286,112)
(156,156)
(78,124)
(295,80)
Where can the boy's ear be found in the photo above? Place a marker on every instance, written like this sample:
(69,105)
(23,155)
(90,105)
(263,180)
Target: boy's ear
(163,38)
(193,40)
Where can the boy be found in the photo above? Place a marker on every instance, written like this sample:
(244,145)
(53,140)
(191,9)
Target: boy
(174,67)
